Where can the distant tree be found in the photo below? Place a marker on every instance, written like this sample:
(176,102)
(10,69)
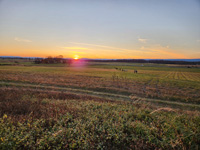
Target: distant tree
(60,56)
(50,60)
(59,59)
(38,61)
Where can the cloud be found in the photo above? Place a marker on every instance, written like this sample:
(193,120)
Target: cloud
(76,48)
(157,51)
(22,40)
(142,40)
(198,41)
(162,51)
(95,45)
(104,46)
(77,52)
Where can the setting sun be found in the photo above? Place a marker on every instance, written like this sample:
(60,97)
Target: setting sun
(76,57)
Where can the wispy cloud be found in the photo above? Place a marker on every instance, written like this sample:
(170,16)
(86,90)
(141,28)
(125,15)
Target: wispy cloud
(76,48)
(142,40)
(103,46)
(161,50)
(21,40)
(77,52)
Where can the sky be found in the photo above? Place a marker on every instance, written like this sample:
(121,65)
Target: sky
(107,29)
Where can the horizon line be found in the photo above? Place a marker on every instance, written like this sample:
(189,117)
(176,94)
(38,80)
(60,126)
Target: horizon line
(105,58)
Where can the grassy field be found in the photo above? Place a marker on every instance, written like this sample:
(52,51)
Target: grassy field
(96,106)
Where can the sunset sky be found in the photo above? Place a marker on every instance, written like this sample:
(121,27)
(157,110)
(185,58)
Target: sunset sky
(100,28)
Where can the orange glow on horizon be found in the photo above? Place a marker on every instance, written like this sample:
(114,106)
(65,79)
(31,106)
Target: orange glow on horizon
(150,52)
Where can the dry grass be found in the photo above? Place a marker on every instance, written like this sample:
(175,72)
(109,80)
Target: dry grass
(151,88)
(22,104)
(165,109)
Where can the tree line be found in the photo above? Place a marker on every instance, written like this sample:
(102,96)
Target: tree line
(158,61)
(53,60)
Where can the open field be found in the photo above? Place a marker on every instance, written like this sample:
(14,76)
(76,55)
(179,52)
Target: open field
(179,84)
(98,106)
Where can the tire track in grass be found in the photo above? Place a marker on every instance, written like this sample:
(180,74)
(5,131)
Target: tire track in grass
(146,85)
(180,77)
(105,95)
(172,75)
(192,77)
(196,77)
(61,88)
(184,76)
(176,75)
(168,75)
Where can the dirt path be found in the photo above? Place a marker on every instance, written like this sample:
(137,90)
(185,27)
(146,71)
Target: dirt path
(107,95)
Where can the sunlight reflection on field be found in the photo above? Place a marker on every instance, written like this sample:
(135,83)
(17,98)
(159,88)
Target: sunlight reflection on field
(79,64)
